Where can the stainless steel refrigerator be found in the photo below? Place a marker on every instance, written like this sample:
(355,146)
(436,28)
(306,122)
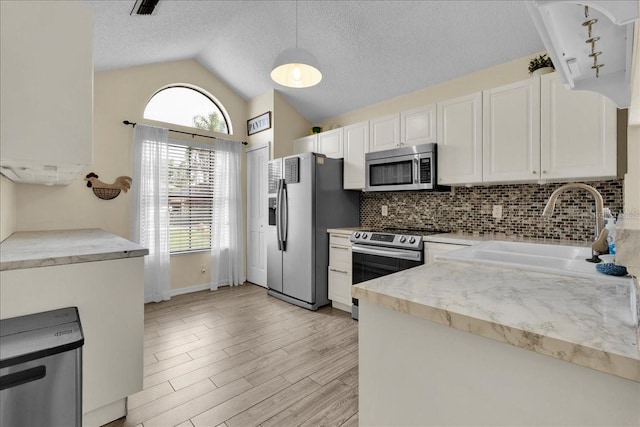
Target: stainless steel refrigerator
(305,198)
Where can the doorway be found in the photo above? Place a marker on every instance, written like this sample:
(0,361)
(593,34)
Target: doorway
(257,212)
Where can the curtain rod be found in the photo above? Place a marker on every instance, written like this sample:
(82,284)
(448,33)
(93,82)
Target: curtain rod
(132,124)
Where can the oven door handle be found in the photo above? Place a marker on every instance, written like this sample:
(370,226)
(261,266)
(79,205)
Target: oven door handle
(389,253)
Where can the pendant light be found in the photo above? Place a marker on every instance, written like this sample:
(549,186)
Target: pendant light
(296,67)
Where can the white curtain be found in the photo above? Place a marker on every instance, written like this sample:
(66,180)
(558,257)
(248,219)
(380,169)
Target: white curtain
(226,222)
(150,225)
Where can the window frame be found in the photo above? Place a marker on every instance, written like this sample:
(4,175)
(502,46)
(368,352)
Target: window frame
(214,101)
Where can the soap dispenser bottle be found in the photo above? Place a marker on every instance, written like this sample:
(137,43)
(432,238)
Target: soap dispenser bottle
(610,225)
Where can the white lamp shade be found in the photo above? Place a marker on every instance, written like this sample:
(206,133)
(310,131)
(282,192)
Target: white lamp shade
(296,68)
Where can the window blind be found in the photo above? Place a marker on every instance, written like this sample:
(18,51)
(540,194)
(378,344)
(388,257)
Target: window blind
(191,173)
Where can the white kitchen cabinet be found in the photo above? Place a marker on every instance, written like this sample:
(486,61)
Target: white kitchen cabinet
(511,132)
(432,249)
(329,143)
(418,126)
(340,272)
(384,133)
(46,80)
(411,127)
(356,140)
(109,297)
(103,276)
(306,144)
(578,133)
(459,133)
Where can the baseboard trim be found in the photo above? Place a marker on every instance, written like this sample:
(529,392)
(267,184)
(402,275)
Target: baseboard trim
(189,289)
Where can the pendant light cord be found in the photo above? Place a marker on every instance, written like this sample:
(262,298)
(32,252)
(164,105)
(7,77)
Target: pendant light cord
(296,24)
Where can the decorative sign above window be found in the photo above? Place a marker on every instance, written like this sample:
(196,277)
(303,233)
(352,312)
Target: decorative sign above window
(259,123)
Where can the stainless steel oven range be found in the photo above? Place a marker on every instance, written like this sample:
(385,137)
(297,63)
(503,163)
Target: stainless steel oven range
(380,252)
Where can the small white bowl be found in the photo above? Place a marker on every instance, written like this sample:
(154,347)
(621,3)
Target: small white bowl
(607,258)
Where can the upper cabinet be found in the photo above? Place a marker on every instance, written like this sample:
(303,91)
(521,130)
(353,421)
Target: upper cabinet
(306,144)
(384,133)
(527,131)
(330,143)
(460,140)
(411,127)
(578,133)
(356,139)
(46,80)
(418,126)
(511,132)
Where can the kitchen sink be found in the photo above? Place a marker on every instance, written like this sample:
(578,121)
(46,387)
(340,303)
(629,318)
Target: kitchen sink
(559,259)
(535,249)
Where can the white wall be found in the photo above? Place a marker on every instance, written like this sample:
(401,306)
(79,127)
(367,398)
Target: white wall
(7,207)
(257,106)
(289,125)
(632,180)
(122,95)
(628,238)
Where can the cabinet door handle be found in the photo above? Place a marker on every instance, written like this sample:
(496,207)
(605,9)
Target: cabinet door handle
(339,247)
(339,271)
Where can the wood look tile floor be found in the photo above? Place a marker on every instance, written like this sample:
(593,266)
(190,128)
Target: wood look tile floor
(237,357)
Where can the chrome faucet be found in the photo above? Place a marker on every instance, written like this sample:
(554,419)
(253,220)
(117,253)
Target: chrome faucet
(551,204)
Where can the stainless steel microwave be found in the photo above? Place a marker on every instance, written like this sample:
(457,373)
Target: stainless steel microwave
(402,169)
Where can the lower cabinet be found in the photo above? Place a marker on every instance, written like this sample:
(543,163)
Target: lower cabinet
(340,271)
(110,299)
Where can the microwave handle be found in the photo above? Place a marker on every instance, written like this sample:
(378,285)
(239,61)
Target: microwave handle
(416,170)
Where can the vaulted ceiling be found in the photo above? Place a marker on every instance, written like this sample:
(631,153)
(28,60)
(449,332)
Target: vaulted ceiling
(369,51)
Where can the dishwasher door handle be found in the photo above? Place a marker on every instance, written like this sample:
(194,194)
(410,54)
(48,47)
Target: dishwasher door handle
(15,379)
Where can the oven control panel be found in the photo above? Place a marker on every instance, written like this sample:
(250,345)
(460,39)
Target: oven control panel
(389,240)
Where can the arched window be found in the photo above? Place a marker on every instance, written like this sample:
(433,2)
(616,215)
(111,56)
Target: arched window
(186,106)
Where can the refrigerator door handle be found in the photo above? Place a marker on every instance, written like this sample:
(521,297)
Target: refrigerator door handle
(279,214)
(285,226)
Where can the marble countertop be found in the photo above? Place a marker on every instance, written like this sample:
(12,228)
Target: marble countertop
(345,230)
(30,249)
(579,320)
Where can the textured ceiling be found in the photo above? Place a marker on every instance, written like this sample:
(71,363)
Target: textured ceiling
(369,51)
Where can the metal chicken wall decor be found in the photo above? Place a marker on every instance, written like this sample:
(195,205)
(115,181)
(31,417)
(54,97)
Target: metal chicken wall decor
(106,191)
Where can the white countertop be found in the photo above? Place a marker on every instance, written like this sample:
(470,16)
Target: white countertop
(579,320)
(30,249)
(345,230)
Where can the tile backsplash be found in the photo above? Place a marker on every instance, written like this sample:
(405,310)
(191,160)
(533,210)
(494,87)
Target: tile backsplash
(469,209)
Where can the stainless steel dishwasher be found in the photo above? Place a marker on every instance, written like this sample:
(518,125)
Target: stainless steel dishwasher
(41,369)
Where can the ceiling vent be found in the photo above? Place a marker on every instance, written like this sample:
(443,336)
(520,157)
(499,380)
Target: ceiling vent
(144,7)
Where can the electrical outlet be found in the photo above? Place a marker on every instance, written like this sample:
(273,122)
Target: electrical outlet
(497,211)
(385,210)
